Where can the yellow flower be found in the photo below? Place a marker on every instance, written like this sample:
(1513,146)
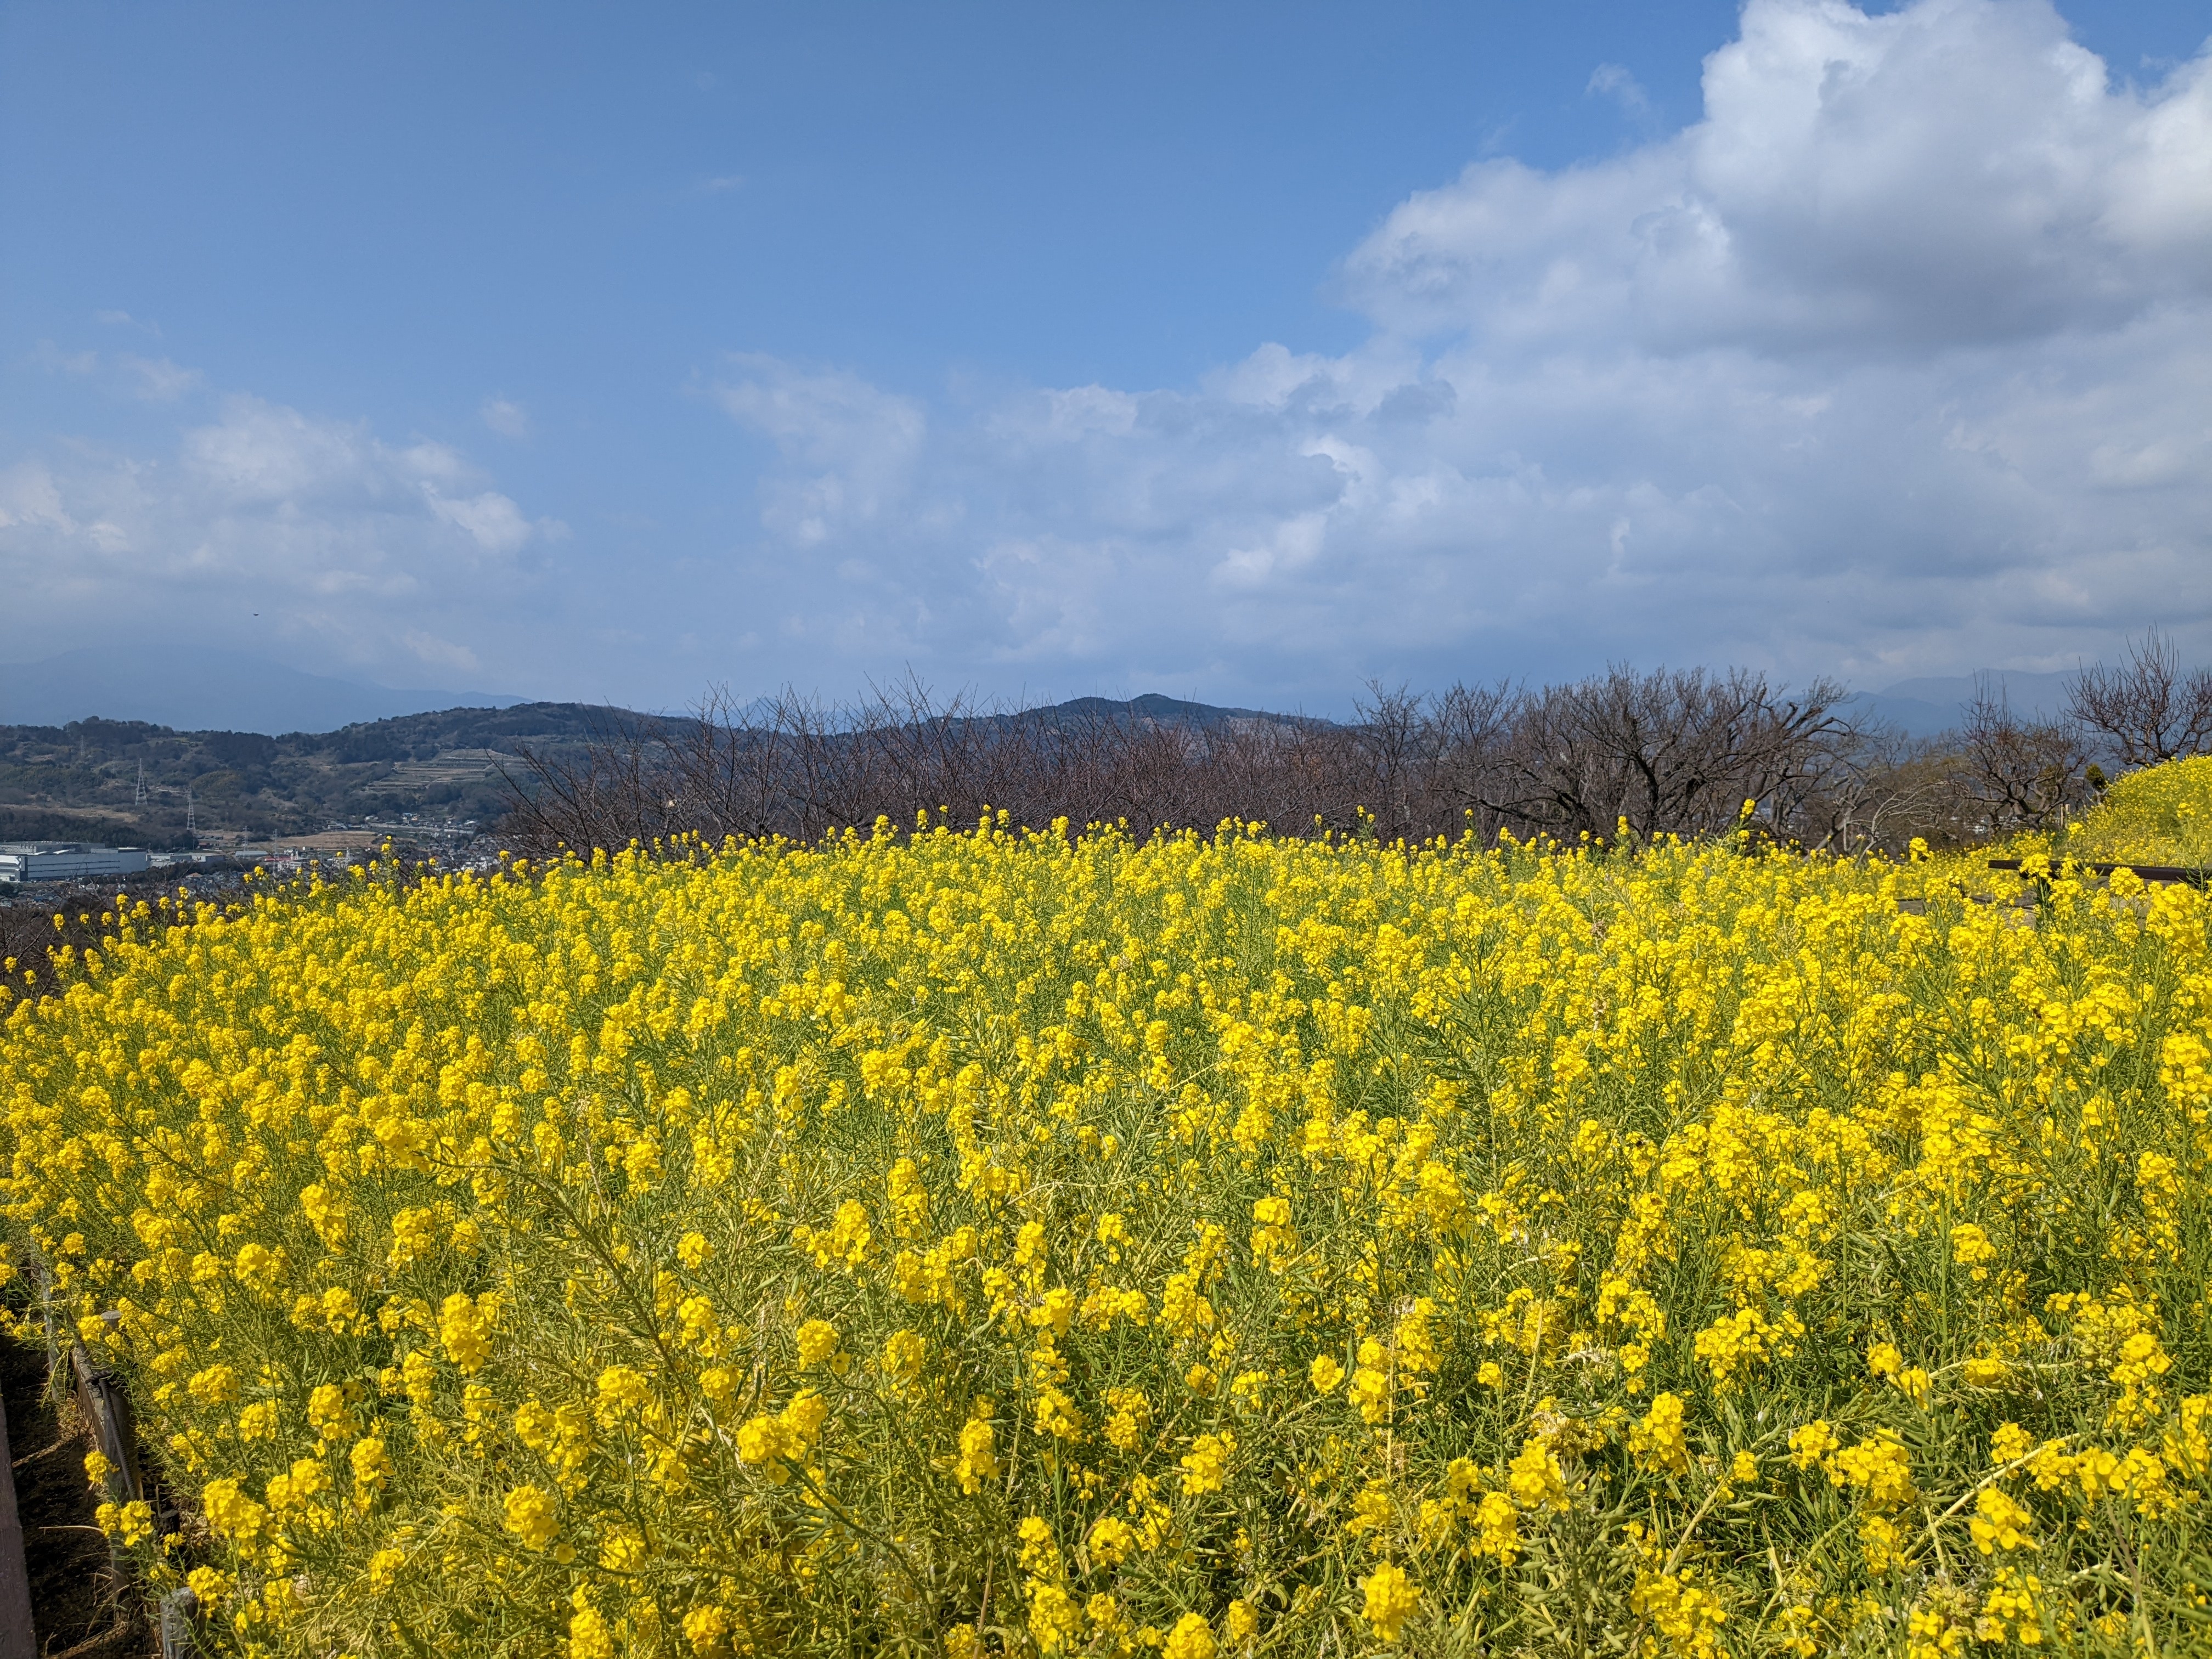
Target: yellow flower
(1879,1469)
(213,1386)
(589,1636)
(705,1626)
(1536,1478)
(328,1412)
(413,1232)
(1657,1443)
(903,1354)
(1999,1523)
(231,1514)
(1809,1445)
(1391,1599)
(372,1465)
(529,1514)
(621,1388)
(1205,1466)
(1191,1638)
(465,1329)
(1881,1542)
(976,1463)
(1113,1541)
(1054,1618)
(1129,1414)
(817,1340)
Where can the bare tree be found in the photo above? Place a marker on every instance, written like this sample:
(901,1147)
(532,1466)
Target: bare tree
(1877,789)
(1396,738)
(2148,707)
(2024,774)
(1664,753)
(796,768)
(1472,730)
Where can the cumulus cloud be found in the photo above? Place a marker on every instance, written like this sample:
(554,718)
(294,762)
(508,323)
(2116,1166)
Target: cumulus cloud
(1958,172)
(1894,362)
(365,553)
(848,449)
(1891,362)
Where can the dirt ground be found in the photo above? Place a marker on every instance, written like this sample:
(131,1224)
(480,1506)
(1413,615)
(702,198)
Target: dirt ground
(80,1610)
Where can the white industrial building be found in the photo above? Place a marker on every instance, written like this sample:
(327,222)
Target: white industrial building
(67,860)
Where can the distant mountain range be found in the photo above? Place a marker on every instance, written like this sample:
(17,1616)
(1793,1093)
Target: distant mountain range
(1925,707)
(189,689)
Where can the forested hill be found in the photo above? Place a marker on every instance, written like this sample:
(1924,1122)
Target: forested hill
(126,781)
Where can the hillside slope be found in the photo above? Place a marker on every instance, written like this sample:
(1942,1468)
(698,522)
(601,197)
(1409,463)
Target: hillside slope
(132,782)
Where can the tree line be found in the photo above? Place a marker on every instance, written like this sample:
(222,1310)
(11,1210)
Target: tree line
(1622,753)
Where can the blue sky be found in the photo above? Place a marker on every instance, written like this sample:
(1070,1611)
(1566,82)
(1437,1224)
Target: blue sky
(1236,351)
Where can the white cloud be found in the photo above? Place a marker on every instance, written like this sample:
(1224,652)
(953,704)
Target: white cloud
(1614,82)
(30,500)
(505,416)
(1955,171)
(366,555)
(493,521)
(1894,362)
(849,449)
(158,381)
(149,380)
(444,655)
(53,358)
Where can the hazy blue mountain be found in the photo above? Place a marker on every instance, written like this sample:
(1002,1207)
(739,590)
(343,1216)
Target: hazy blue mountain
(2033,696)
(1937,703)
(1910,715)
(194,689)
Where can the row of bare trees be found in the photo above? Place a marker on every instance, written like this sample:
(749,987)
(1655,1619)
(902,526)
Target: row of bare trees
(1670,752)
(2024,772)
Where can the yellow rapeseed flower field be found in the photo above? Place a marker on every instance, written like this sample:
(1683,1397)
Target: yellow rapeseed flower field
(2160,815)
(987,1241)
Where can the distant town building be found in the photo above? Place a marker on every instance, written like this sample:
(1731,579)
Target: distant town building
(67,860)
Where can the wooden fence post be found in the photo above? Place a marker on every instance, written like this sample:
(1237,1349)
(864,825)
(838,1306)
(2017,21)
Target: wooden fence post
(18,1638)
